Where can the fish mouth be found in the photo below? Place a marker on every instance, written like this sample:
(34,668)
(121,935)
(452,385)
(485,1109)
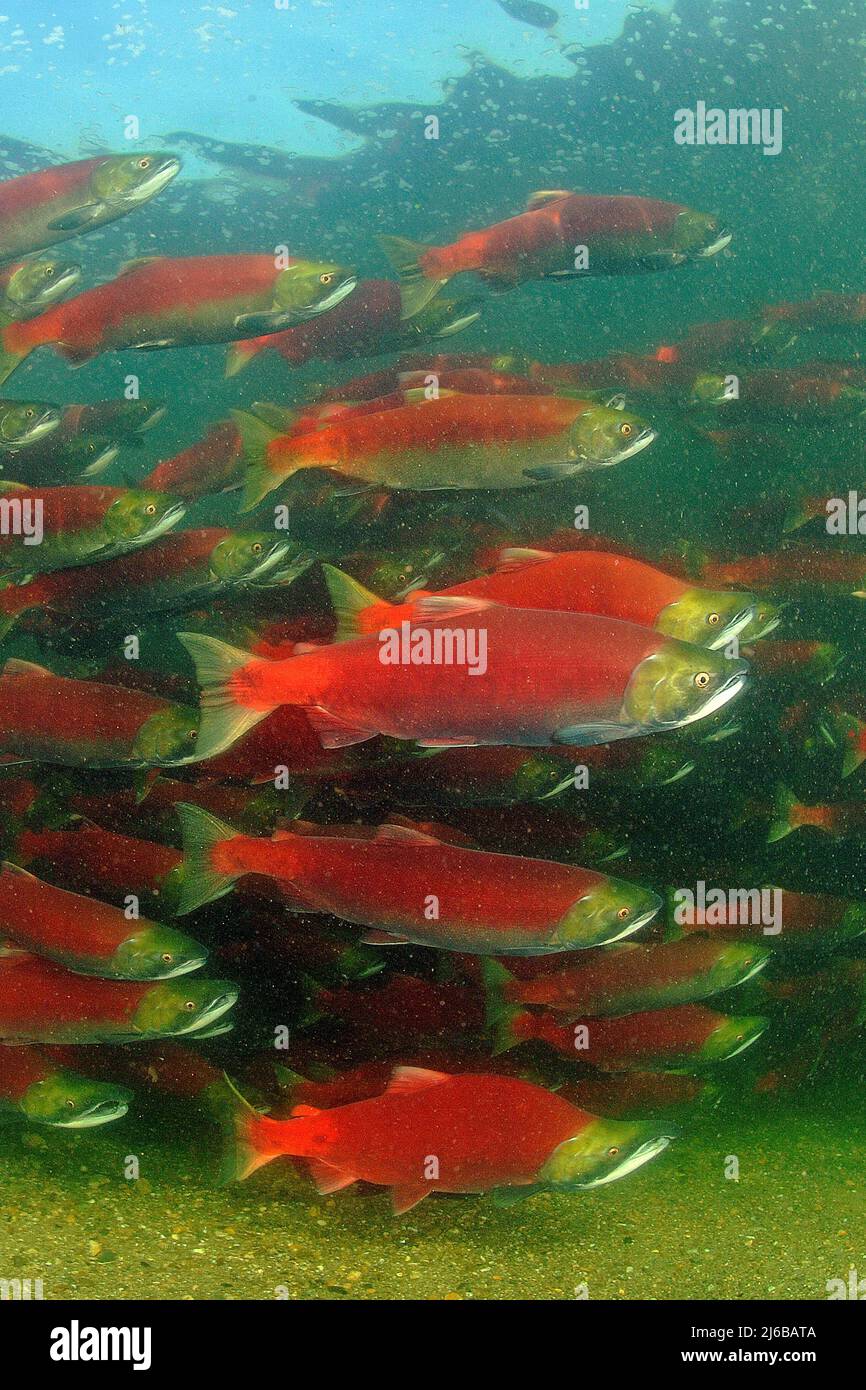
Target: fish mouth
(735,626)
(335,297)
(166,522)
(756,969)
(637,1159)
(643,440)
(214,1011)
(154,183)
(714,247)
(184,967)
(101,1113)
(747,1041)
(681,772)
(102,461)
(61,284)
(457,325)
(268,563)
(152,419)
(726,692)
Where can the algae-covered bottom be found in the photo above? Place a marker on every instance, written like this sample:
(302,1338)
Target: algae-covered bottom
(678,1229)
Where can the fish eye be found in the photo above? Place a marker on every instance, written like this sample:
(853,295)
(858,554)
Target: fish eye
(613,1151)
(625,429)
(257,547)
(70,1104)
(192,735)
(623,914)
(189,1006)
(326,278)
(150,509)
(713,619)
(144,163)
(702,680)
(49,270)
(166,958)
(30,413)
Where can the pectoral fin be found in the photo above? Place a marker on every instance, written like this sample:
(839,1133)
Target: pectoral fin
(76,219)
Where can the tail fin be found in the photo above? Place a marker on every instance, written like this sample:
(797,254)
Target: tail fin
(242,353)
(12,353)
(783,820)
(202,882)
(350,601)
(223,717)
(416,289)
(500,1016)
(852,732)
(245,1146)
(802,512)
(255,437)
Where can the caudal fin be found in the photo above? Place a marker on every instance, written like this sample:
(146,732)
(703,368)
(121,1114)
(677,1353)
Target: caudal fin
(240,354)
(851,732)
(801,512)
(351,602)
(260,479)
(416,288)
(220,670)
(783,820)
(202,882)
(12,350)
(245,1141)
(501,1017)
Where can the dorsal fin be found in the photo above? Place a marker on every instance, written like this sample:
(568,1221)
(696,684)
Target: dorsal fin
(545,196)
(417,394)
(518,557)
(407,1080)
(136,263)
(10,868)
(407,833)
(15,666)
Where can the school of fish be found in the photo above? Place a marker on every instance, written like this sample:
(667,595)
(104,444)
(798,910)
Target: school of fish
(422,742)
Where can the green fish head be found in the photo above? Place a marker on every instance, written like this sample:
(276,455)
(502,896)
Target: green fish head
(609,912)
(680,683)
(662,764)
(312,287)
(539,778)
(398,574)
(90,454)
(157,952)
(65,1100)
(167,737)
(698,234)
(138,517)
(710,388)
(34,285)
(766,618)
(737,962)
(23,422)
(171,1010)
(603,1151)
(129,179)
(134,417)
(442,318)
(706,617)
(602,435)
(734,1035)
(247,556)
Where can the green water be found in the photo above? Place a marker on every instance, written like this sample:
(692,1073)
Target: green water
(787,1215)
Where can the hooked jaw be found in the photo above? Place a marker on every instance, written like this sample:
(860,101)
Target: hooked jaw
(610,912)
(603,1152)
